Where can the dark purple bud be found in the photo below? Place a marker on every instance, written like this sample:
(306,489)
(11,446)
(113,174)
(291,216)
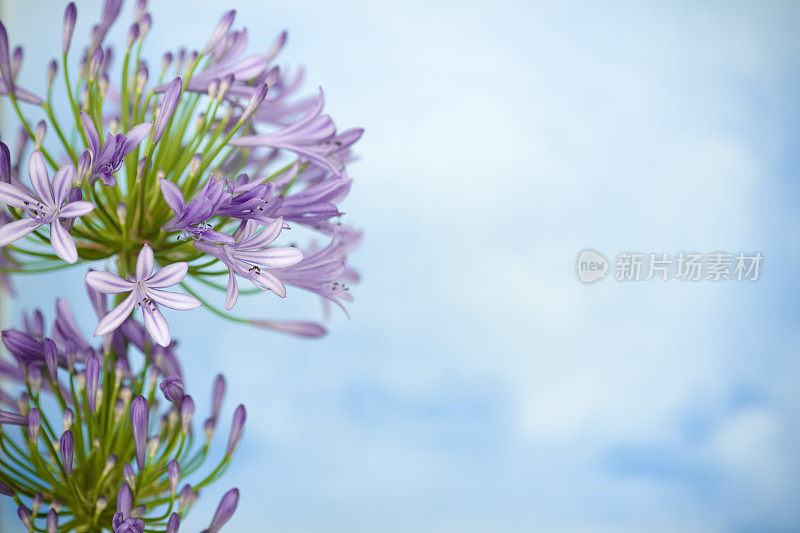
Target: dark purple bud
(128,475)
(35,378)
(66,451)
(237,426)
(5,59)
(217,394)
(24,515)
(172,387)
(172,95)
(174,523)
(125,500)
(51,358)
(5,163)
(227,506)
(5,490)
(34,422)
(140,420)
(121,524)
(219,32)
(133,34)
(174,473)
(52,521)
(92,380)
(70,14)
(187,410)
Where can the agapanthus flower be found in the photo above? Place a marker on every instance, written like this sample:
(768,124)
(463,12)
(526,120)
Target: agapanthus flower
(146,291)
(49,206)
(107,159)
(250,257)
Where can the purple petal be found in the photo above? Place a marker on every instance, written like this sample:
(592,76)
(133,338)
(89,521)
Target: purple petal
(173,196)
(168,104)
(117,316)
(277,257)
(232,293)
(15,196)
(135,137)
(269,234)
(174,300)
(268,281)
(16,230)
(301,329)
(62,243)
(62,182)
(76,209)
(107,283)
(156,325)
(39,178)
(168,276)
(5,59)
(145,263)
(91,134)
(219,32)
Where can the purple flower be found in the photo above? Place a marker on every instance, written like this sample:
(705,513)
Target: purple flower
(140,420)
(168,104)
(307,138)
(227,506)
(249,254)
(48,208)
(120,524)
(192,218)
(172,388)
(145,291)
(70,14)
(106,160)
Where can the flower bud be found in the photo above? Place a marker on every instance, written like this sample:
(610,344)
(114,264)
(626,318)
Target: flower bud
(24,515)
(166,62)
(39,133)
(52,69)
(34,423)
(172,388)
(128,475)
(152,447)
(208,428)
(133,34)
(141,77)
(66,448)
(101,504)
(38,500)
(174,473)
(172,96)
(35,378)
(187,410)
(237,426)
(255,101)
(52,521)
(217,395)
(144,25)
(111,462)
(92,380)
(174,523)
(67,418)
(70,14)
(95,63)
(227,506)
(84,166)
(185,498)
(220,31)
(125,499)
(5,490)
(140,420)
(5,163)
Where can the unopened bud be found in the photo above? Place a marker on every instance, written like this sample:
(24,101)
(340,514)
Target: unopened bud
(39,133)
(67,418)
(133,34)
(35,378)
(52,69)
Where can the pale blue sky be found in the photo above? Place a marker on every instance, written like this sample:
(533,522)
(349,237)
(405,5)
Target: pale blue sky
(479,387)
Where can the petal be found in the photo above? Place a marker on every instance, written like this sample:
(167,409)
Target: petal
(62,182)
(135,137)
(144,263)
(76,209)
(107,283)
(268,235)
(16,230)
(173,196)
(15,196)
(39,178)
(265,280)
(276,257)
(168,276)
(174,300)
(91,134)
(233,291)
(62,243)
(117,316)
(156,325)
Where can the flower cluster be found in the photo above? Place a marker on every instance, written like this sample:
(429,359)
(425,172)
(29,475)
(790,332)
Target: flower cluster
(105,432)
(182,177)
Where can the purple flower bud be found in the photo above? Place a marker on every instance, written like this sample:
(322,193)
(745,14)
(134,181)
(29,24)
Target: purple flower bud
(168,104)
(237,426)
(38,500)
(51,358)
(5,163)
(166,61)
(125,500)
(39,133)
(187,410)
(84,165)
(24,515)
(255,101)
(95,63)
(133,34)
(92,379)
(70,14)
(34,422)
(35,378)
(144,25)
(52,69)
(5,490)
(67,418)
(5,59)
(174,523)
(217,394)
(16,62)
(208,428)
(174,473)
(140,420)
(66,451)
(185,498)
(219,32)
(227,506)
(52,521)
(128,475)
(172,387)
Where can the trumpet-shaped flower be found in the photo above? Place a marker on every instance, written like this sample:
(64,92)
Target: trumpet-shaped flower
(106,160)
(146,291)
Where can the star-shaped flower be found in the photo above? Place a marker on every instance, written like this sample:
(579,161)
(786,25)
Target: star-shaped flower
(145,291)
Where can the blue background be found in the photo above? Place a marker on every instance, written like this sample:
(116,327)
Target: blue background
(479,387)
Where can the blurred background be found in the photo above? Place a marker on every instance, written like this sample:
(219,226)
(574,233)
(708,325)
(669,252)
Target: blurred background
(479,386)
